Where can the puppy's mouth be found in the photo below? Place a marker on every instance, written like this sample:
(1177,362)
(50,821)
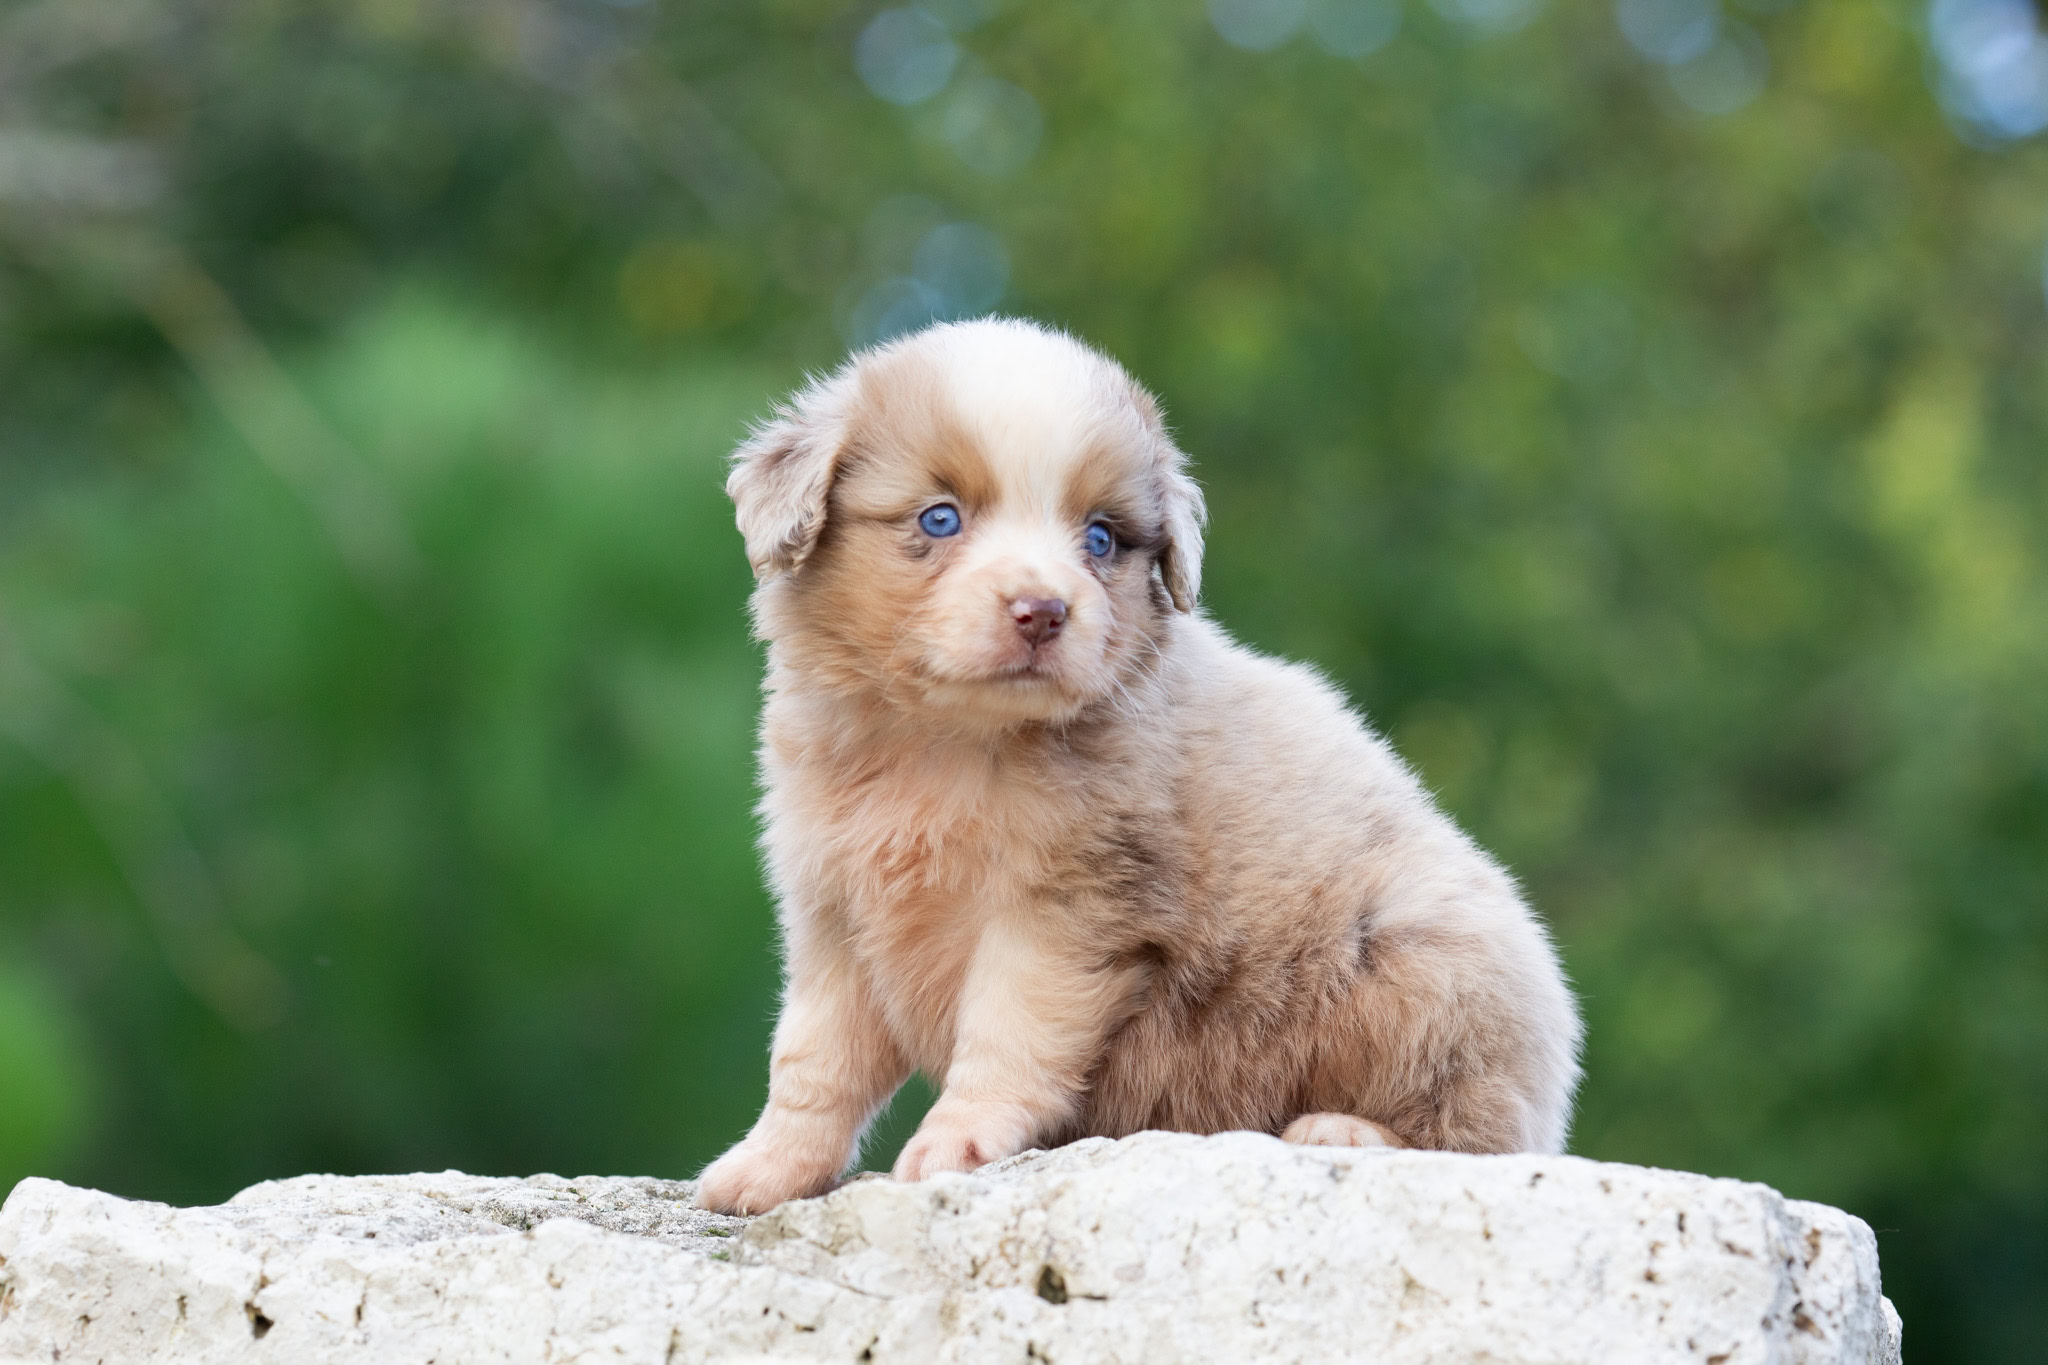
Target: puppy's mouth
(1023,678)
(1031,688)
(1017,665)
(1035,667)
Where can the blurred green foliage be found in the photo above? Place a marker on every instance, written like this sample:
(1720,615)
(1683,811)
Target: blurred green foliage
(375,692)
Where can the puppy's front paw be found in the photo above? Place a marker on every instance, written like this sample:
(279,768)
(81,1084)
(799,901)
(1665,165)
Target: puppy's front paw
(961,1138)
(757,1175)
(1338,1130)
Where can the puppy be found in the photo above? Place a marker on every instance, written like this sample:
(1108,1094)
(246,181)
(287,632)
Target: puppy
(1041,831)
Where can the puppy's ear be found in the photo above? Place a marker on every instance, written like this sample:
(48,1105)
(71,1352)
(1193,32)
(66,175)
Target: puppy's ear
(781,477)
(1180,565)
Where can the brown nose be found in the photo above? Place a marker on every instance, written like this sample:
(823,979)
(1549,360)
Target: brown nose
(1038,618)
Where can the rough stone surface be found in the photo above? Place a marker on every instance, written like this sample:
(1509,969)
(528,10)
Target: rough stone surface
(1161,1247)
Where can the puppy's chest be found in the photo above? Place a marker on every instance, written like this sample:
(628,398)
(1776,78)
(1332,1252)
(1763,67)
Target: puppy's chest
(906,839)
(914,857)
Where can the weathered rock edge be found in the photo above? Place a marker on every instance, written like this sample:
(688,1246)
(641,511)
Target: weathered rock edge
(1160,1247)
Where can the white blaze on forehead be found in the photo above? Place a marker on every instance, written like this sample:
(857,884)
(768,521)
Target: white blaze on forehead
(1030,396)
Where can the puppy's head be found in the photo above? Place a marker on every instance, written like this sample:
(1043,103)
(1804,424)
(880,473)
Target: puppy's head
(985,518)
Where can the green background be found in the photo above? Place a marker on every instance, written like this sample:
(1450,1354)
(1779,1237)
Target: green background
(1654,448)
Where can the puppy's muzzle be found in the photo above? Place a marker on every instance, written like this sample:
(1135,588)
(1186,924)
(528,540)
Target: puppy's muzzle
(1038,618)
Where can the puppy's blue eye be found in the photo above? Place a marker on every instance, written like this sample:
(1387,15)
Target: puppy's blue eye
(1099,539)
(940,520)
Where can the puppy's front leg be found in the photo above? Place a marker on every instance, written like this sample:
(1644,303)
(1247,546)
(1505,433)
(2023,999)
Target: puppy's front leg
(1032,1017)
(833,1064)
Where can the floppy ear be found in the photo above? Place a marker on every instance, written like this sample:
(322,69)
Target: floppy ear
(781,477)
(1180,565)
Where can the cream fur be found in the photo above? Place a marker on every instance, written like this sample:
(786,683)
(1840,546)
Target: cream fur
(1135,877)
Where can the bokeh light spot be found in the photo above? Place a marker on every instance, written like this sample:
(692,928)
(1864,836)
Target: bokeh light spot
(1669,31)
(1994,65)
(1726,76)
(965,266)
(1354,28)
(905,55)
(957,270)
(890,308)
(1258,25)
(962,15)
(1489,17)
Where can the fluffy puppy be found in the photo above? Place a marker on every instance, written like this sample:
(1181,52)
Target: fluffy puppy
(1041,831)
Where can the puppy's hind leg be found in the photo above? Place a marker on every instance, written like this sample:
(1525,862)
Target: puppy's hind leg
(1459,1037)
(1338,1130)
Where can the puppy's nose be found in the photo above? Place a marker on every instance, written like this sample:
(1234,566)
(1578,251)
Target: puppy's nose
(1038,618)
